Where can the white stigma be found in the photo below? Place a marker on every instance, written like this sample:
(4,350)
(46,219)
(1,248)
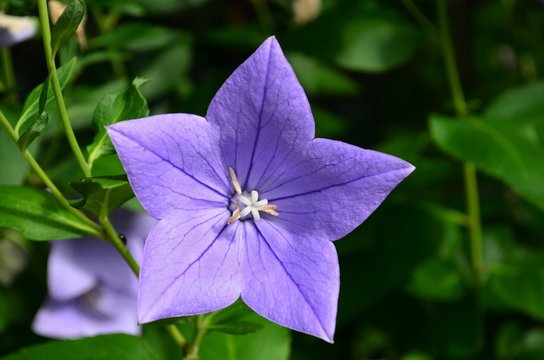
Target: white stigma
(250,202)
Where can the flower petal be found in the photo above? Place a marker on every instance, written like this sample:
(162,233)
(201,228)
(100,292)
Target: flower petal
(261,114)
(66,277)
(290,278)
(71,320)
(78,265)
(190,265)
(172,162)
(328,188)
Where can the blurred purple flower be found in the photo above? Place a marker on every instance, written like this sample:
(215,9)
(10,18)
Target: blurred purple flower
(91,289)
(14,29)
(249,201)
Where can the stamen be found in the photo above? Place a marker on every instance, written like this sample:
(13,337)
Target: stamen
(235,181)
(251,203)
(235,216)
(269,209)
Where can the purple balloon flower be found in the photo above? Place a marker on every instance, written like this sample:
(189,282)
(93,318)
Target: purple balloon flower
(91,289)
(249,201)
(15,29)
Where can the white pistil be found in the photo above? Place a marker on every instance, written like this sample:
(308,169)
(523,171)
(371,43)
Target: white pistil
(252,204)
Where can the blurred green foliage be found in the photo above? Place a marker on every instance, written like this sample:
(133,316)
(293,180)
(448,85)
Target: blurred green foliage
(374,74)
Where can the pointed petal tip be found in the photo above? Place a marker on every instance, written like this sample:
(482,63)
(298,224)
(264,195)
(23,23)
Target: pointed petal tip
(319,332)
(409,168)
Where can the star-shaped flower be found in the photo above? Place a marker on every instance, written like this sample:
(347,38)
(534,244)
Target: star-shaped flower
(91,289)
(249,201)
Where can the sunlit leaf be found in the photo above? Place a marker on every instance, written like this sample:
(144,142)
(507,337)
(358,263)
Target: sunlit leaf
(38,215)
(507,151)
(104,347)
(358,37)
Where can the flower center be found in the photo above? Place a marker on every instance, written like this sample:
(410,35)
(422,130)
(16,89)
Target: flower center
(245,204)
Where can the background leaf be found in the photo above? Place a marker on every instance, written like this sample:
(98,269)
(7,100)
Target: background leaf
(504,150)
(360,36)
(137,37)
(272,342)
(318,78)
(104,347)
(37,215)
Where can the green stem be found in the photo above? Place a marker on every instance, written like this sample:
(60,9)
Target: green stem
(113,237)
(47,181)
(201,328)
(470,175)
(449,60)
(176,335)
(7,69)
(475,227)
(50,60)
(263,14)
(421,18)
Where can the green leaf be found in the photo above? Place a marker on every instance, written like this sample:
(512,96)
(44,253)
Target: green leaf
(105,347)
(168,70)
(137,37)
(125,105)
(505,150)
(377,45)
(102,195)
(361,36)
(318,78)
(436,279)
(517,280)
(43,95)
(519,103)
(67,24)
(14,256)
(237,328)
(32,104)
(14,166)
(38,215)
(35,130)
(272,342)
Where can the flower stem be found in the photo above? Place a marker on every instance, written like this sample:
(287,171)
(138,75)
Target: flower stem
(47,181)
(176,335)
(63,113)
(420,17)
(201,328)
(263,14)
(7,69)
(113,237)
(470,175)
